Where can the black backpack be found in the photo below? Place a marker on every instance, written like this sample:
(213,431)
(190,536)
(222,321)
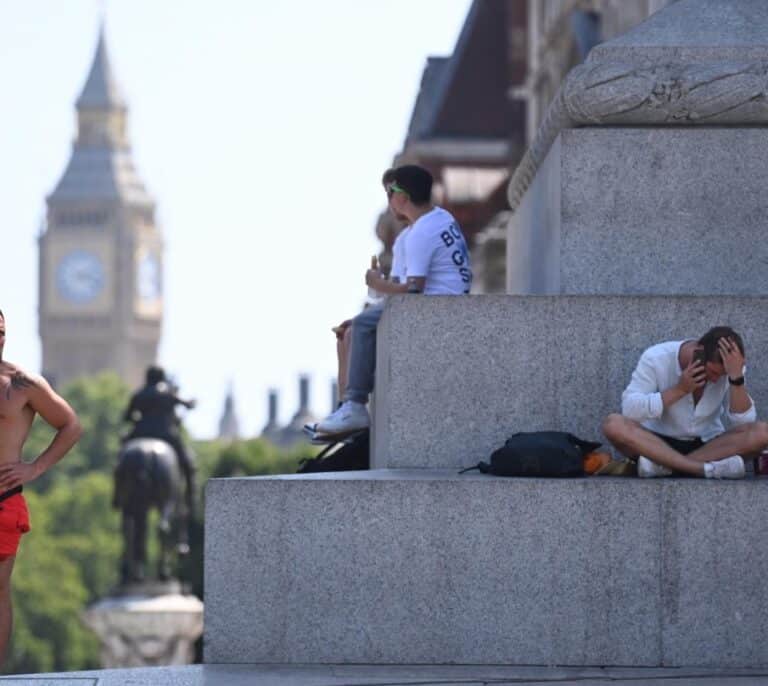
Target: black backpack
(350,454)
(538,453)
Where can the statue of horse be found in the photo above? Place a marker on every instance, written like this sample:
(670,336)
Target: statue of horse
(148,475)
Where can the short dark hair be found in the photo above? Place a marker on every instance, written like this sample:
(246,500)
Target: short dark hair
(155,374)
(388,177)
(1,314)
(709,342)
(416,181)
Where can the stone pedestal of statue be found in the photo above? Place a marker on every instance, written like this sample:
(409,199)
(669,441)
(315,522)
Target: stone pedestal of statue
(638,215)
(148,624)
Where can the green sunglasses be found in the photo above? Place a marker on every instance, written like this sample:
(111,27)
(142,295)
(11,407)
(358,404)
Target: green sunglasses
(394,188)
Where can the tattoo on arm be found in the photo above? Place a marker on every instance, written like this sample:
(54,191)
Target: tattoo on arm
(19,381)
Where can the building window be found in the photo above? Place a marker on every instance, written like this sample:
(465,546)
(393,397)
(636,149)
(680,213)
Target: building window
(95,218)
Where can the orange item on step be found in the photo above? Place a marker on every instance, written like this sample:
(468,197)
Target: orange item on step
(595,460)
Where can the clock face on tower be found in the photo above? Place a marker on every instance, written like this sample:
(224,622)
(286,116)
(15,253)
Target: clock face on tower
(148,277)
(80,276)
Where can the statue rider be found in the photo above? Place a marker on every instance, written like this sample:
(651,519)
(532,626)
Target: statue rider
(153,412)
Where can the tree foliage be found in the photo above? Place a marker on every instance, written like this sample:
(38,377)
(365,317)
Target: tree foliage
(70,558)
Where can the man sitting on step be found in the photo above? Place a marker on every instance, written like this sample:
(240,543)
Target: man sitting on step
(343,331)
(675,404)
(436,263)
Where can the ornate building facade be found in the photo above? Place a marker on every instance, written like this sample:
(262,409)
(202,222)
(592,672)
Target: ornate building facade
(560,34)
(478,110)
(101,253)
(466,129)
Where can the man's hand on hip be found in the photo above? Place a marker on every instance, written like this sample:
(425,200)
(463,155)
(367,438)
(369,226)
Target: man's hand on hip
(17,474)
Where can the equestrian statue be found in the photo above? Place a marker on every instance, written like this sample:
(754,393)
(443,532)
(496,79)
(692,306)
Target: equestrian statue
(154,469)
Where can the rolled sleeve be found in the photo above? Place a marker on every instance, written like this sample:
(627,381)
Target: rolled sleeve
(642,400)
(736,418)
(744,417)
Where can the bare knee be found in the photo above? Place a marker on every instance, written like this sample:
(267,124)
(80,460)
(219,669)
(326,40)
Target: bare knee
(615,426)
(758,436)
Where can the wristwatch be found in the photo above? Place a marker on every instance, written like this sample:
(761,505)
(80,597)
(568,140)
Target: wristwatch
(736,382)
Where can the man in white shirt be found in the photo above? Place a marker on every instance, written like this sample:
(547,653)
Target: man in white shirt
(674,406)
(436,263)
(343,331)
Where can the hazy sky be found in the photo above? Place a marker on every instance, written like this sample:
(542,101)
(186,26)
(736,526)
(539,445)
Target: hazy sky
(261,128)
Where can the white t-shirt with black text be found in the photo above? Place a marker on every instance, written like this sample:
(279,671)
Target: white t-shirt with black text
(435,248)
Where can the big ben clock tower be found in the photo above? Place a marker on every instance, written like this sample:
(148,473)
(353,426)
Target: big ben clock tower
(101,253)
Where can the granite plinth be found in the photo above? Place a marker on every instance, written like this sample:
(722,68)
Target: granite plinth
(456,377)
(392,675)
(141,630)
(427,567)
(694,30)
(644,211)
(694,63)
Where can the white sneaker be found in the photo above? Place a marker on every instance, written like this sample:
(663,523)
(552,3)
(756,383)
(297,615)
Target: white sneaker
(647,469)
(728,468)
(351,416)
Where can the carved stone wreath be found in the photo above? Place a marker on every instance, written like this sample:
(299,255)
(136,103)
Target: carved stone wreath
(720,93)
(668,94)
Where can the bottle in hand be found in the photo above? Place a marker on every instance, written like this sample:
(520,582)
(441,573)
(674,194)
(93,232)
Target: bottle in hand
(374,297)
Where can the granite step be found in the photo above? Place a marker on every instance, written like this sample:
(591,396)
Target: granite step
(429,567)
(398,675)
(456,376)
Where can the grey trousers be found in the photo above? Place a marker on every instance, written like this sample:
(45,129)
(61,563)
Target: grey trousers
(362,356)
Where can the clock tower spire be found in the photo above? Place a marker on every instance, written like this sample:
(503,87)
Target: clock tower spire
(100,252)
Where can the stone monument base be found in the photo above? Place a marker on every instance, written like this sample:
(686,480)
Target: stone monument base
(138,627)
(455,377)
(644,211)
(428,567)
(378,675)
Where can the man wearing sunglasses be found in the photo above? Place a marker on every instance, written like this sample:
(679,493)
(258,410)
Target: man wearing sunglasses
(343,331)
(436,263)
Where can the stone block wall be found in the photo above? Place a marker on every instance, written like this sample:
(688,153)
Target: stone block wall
(645,211)
(456,376)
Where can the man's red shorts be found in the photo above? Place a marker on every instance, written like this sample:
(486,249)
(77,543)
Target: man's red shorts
(14,521)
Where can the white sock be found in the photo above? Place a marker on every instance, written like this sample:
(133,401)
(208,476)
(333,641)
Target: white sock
(709,470)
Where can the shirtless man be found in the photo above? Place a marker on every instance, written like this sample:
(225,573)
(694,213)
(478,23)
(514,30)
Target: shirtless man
(21,396)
